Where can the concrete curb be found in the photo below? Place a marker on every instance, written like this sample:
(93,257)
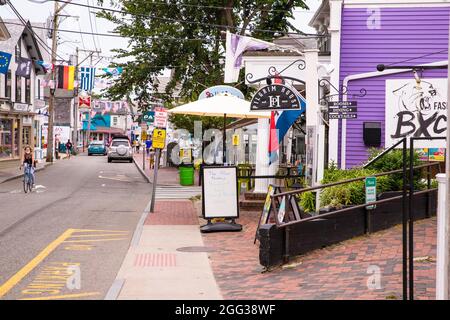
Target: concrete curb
(116,287)
(142,172)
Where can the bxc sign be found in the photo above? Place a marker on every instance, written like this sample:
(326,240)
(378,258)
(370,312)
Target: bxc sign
(275,97)
(416,110)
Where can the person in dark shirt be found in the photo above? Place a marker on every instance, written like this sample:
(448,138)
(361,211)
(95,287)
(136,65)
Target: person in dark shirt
(69,148)
(27,161)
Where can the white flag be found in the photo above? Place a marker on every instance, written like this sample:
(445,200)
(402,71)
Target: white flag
(236,45)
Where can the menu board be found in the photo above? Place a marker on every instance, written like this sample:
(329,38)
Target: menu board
(220,193)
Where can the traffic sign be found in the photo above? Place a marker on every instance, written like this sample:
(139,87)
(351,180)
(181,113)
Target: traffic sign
(159,138)
(236,140)
(160,118)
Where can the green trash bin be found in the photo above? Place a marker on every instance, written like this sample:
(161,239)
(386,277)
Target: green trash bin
(186,175)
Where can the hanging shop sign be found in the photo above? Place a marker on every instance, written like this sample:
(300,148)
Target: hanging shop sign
(221,90)
(84,102)
(342,110)
(275,97)
(23,107)
(159,138)
(416,110)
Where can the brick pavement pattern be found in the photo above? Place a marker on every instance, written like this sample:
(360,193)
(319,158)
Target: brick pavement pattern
(335,272)
(173,212)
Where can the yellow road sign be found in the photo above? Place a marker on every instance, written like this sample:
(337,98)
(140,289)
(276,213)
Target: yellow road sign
(236,140)
(159,138)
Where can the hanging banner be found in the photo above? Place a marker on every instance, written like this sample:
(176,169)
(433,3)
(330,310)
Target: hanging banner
(414,110)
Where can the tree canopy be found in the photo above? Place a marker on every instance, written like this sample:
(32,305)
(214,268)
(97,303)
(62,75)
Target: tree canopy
(186,37)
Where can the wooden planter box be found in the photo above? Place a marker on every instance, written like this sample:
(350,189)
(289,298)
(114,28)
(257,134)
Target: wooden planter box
(322,232)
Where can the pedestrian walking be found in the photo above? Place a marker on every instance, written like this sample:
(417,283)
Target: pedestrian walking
(148,145)
(69,146)
(152,158)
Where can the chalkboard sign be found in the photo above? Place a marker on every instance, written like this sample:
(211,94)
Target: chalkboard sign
(220,192)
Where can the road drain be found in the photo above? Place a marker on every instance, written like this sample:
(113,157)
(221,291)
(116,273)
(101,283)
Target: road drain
(196,249)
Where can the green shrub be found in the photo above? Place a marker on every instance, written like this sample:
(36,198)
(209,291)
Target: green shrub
(354,193)
(308,201)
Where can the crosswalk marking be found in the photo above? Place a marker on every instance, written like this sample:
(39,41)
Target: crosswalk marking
(177,192)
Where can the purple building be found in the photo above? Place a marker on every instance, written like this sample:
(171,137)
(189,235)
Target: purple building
(366,33)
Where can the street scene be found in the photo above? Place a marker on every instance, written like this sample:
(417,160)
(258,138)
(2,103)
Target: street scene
(219,151)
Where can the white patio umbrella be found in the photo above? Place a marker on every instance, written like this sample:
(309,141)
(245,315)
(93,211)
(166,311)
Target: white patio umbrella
(220,106)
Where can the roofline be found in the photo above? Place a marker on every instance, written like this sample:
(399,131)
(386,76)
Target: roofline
(4,29)
(319,10)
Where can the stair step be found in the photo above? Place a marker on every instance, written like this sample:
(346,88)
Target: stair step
(251,205)
(254,196)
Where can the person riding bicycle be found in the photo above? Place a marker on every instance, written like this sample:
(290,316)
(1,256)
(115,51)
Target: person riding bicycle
(27,160)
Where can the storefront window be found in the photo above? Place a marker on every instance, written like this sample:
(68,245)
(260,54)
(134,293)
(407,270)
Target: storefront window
(6,138)
(16,137)
(28,91)
(8,84)
(18,89)
(26,136)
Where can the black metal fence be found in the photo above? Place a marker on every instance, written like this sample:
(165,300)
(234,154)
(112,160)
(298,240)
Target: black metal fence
(410,211)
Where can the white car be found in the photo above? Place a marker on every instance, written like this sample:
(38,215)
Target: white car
(120,149)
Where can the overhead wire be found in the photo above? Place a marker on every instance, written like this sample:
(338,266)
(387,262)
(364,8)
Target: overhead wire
(45,46)
(181,21)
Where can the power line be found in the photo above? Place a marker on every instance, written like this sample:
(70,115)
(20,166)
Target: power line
(95,24)
(24,23)
(201,6)
(90,22)
(419,57)
(181,21)
(116,35)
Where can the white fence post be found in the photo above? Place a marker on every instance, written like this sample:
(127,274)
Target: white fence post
(442,241)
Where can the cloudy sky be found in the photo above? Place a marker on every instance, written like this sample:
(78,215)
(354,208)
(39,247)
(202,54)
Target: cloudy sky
(84,20)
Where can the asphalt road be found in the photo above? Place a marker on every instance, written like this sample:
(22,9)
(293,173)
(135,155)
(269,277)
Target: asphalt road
(68,238)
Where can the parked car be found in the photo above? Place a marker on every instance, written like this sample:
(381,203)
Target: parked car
(120,149)
(97,147)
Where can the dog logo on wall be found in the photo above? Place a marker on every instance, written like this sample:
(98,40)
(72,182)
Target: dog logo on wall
(420,110)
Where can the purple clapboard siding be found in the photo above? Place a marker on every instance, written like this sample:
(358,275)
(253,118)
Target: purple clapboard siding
(404,33)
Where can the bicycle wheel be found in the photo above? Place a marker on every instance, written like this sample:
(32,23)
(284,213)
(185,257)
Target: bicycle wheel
(25,183)
(30,183)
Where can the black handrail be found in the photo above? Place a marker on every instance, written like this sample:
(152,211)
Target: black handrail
(323,186)
(383,153)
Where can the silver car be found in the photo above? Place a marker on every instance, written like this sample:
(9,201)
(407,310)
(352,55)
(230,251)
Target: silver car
(120,149)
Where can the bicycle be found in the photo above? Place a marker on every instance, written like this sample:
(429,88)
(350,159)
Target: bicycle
(28,179)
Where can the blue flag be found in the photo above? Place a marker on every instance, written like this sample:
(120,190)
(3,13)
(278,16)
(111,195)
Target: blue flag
(5,59)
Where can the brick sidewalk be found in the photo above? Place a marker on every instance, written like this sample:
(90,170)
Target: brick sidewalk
(336,272)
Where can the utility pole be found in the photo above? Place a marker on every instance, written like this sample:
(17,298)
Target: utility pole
(92,105)
(90,57)
(51,102)
(75,104)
